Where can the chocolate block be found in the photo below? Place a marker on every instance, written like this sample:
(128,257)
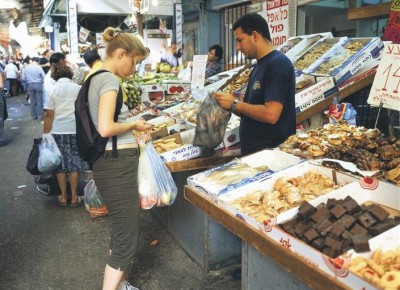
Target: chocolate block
(360,243)
(346,235)
(347,221)
(320,214)
(346,246)
(305,209)
(299,230)
(338,211)
(351,205)
(333,243)
(378,212)
(379,228)
(318,243)
(323,227)
(311,235)
(366,220)
(331,252)
(288,225)
(337,230)
(358,230)
(332,202)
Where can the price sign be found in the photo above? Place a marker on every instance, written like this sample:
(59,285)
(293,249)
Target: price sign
(385,89)
(199,71)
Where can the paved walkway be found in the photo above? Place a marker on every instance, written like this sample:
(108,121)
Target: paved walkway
(45,246)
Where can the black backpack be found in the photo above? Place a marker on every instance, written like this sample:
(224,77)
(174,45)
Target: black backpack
(90,143)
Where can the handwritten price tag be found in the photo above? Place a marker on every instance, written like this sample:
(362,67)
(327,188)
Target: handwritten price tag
(199,71)
(385,89)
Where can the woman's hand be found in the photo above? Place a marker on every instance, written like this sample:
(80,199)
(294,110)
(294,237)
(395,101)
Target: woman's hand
(141,125)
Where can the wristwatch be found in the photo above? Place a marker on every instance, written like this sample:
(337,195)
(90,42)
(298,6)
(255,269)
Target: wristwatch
(234,105)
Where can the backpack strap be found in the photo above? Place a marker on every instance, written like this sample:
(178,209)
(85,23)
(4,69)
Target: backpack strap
(117,110)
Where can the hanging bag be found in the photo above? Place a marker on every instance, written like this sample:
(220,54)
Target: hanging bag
(32,162)
(49,157)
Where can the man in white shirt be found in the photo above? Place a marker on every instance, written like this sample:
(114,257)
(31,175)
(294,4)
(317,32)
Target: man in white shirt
(12,73)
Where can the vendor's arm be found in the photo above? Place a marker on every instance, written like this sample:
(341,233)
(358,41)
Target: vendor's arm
(107,126)
(266,113)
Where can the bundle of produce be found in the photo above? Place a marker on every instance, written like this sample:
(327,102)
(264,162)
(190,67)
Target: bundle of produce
(133,92)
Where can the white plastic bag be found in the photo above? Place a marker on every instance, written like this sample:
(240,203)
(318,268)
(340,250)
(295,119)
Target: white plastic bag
(165,184)
(147,187)
(49,159)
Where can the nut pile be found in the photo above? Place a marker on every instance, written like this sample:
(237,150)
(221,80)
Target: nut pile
(312,55)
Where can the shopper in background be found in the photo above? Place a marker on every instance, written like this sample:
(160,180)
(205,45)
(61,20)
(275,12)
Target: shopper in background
(44,61)
(34,77)
(93,60)
(56,57)
(59,120)
(12,73)
(2,112)
(169,56)
(116,177)
(214,61)
(267,111)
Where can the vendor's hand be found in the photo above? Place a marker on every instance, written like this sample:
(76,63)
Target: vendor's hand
(225,100)
(141,125)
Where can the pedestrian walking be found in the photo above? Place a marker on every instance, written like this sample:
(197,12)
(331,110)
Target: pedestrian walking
(3,112)
(12,73)
(34,78)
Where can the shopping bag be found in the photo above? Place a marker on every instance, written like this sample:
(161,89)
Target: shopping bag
(165,184)
(49,159)
(93,201)
(147,187)
(212,121)
(32,162)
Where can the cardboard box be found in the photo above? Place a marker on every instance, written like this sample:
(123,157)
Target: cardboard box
(176,86)
(300,48)
(289,44)
(334,42)
(370,51)
(323,88)
(361,190)
(275,160)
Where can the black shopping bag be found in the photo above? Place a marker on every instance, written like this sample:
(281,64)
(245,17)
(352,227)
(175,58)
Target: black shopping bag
(32,163)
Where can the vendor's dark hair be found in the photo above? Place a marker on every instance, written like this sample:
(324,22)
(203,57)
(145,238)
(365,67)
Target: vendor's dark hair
(60,70)
(253,22)
(90,56)
(219,52)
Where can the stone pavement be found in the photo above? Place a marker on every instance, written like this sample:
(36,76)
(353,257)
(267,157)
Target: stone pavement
(45,246)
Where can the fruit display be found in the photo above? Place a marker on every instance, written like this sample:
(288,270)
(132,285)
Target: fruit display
(133,93)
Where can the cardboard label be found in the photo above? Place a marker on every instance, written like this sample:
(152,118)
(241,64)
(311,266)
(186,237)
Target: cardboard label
(386,86)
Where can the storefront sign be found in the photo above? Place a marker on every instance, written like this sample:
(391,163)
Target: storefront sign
(256,7)
(385,89)
(278,20)
(392,30)
(199,71)
(72,17)
(178,24)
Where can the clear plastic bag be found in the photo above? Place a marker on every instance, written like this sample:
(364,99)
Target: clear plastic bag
(156,185)
(212,121)
(93,201)
(147,186)
(49,159)
(165,184)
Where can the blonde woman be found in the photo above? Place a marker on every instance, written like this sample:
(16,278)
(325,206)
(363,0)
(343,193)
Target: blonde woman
(116,177)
